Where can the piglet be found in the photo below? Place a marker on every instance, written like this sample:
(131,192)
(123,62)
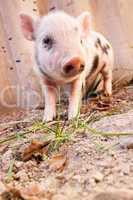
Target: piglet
(68,52)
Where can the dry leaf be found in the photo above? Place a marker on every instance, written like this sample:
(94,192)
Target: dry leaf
(101,109)
(58,162)
(35,147)
(130,146)
(10,193)
(35,192)
(3,148)
(103,104)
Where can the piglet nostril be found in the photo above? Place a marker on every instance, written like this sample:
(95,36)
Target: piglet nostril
(73,67)
(68,68)
(82,66)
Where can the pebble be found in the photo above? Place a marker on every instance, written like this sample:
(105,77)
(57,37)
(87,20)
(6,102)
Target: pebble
(2,188)
(18,164)
(126,142)
(10,38)
(21,175)
(125,169)
(114,195)
(34,9)
(98,177)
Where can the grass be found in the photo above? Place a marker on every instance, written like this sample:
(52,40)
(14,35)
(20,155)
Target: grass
(100,147)
(61,135)
(59,132)
(10,171)
(15,136)
(63,131)
(107,134)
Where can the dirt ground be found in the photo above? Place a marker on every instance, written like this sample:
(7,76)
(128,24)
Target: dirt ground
(93,162)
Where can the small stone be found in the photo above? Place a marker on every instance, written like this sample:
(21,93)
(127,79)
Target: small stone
(114,195)
(92,182)
(34,9)
(126,142)
(112,153)
(2,188)
(98,177)
(21,175)
(77,178)
(10,38)
(18,164)
(125,169)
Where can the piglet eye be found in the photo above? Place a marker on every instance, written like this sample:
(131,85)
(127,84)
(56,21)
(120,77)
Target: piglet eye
(81,41)
(47,42)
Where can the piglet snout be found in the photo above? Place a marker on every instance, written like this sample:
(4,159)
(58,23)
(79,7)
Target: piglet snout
(73,67)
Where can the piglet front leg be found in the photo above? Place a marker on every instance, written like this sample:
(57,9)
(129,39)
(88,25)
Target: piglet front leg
(50,94)
(75,98)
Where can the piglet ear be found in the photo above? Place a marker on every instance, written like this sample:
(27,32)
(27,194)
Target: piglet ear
(85,23)
(27,26)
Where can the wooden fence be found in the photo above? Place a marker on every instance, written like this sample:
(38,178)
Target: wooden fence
(18,83)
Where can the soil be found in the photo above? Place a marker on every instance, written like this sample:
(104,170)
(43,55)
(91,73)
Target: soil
(87,167)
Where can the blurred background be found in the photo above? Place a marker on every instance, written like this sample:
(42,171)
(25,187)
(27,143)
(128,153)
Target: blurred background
(18,83)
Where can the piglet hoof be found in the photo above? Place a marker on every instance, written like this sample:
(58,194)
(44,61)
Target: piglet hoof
(110,98)
(72,116)
(106,97)
(48,117)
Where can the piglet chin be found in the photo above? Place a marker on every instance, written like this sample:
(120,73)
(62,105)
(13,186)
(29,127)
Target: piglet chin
(70,79)
(63,80)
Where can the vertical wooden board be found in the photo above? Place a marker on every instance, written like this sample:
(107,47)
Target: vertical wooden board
(7,94)
(71,6)
(112,19)
(20,52)
(9,78)
(42,6)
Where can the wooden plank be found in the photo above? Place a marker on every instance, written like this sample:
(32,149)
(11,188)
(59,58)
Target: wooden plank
(42,6)
(18,62)
(71,6)
(7,95)
(112,19)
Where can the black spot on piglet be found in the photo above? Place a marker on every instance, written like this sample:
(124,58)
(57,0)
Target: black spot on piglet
(95,63)
(104,47)
(98,43)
